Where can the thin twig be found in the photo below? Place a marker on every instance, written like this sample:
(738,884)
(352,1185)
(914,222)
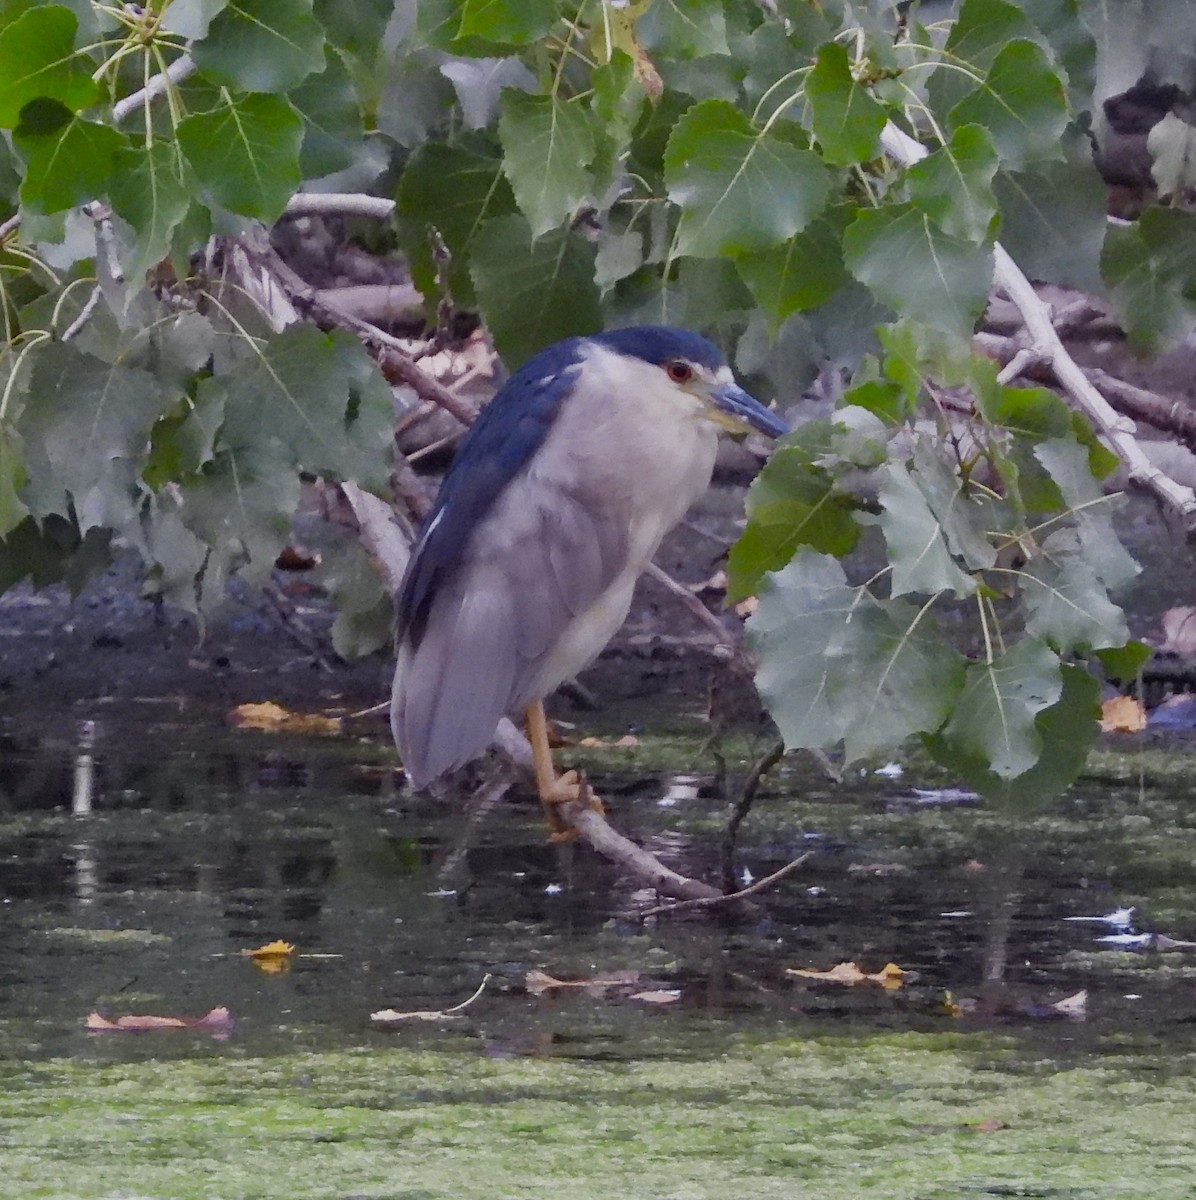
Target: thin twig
(695,606)
(747,797)
(755,889)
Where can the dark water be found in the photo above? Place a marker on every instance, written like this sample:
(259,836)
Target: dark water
(203,841)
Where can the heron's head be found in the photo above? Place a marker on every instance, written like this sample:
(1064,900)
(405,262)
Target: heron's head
(694,366)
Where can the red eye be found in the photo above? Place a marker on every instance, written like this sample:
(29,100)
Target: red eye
(678,371)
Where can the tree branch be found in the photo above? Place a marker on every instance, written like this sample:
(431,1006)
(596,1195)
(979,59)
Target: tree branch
(1045,341)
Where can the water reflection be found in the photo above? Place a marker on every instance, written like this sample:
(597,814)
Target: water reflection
(137,863)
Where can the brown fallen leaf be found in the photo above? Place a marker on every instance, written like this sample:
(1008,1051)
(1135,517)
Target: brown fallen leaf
(219,1023)
(269,717)
(889,976)
(661,996)
(539,982)
(390,1017)
(991,1125)
(1122,714)
(625,742)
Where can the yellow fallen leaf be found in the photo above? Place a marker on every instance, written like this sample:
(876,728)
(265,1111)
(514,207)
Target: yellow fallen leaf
(888,977)
(1122,714)
(269,717)
(277,949)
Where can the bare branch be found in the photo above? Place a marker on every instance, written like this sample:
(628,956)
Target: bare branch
(1045,342)
(347,204)
(178,70)
(761,885)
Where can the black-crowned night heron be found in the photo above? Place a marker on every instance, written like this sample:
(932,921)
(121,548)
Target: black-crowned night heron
(557,499)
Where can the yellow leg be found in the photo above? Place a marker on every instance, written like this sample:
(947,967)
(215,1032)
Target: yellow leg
(553,789)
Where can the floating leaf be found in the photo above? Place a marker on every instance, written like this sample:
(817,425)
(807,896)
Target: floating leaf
(269,717)
(889,977)
(218,1023)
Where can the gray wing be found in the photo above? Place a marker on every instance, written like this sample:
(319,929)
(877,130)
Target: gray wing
(541,556)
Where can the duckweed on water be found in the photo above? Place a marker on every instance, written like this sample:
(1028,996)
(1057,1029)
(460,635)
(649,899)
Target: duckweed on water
(909,1117)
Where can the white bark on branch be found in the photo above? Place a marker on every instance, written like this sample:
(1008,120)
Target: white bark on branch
(1047,346)
(345,204)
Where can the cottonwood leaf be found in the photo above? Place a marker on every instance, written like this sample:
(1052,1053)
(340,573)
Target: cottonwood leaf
(800,274)
(953,185)
(332,123)
(68,160)
(533,292)
(457,189)
(152,189)
(38,60)
(979,32)
(1065,603)
(12,479)
(845,118)
(261,45)
(547,148)
(793,502)
(1172,145)
(514,22)
(1053,222)
(963,517)
(85,425)
(916,268)
(994,719)
(1021,103)
(740,189)
(246,154)
(1064,731)
(684,28)
(835,663)
(917,549)
(1151,267)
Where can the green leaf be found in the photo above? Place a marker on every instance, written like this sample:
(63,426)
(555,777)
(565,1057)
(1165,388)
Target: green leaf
(38,60)
(152,189)
(797,275)
(1151,266)
(332,123)
(846,120)
(1122,663)
(246,155)
(978,34)
(964,516)
(85,426)
(994,719)
(1064,602)
(261,45)
(355,26)
(12,479)
(1172,145)
(457,189)
(953,186)
(910,264)
(837,664)
(547,146)
(1021,103)
(1053,222)
(684,28)
(917,550)
(302,391)
(1068,465)
(793,502)
(739,189)
(533,292)
(1065,732)
(68,160)
(513,22)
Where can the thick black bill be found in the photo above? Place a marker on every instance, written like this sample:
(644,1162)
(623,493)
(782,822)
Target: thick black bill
(747,411)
